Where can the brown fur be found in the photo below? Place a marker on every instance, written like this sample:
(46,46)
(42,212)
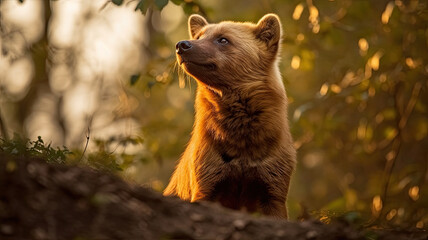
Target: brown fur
(240,153)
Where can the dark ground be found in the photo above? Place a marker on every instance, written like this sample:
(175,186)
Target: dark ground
(46,201)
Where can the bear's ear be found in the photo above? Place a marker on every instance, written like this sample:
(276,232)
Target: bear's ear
(268,30)
(196,23)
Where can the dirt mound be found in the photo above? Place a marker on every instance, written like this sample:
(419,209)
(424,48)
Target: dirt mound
(48,201)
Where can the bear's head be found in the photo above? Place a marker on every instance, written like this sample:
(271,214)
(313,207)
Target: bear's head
(229,54)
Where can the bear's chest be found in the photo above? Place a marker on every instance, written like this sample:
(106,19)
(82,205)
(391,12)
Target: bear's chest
(241,188)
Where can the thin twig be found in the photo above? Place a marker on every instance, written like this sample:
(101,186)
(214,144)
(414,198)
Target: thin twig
(87,143)
(396,145)
(410,105)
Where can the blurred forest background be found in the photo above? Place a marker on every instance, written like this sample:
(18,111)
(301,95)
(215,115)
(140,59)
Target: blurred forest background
(100,78)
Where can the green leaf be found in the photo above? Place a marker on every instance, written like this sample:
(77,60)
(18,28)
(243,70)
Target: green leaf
(351,217)
(161,3)
(188,8)
(336,205)
(117,2)
(177,2)
(142,6)
(134,79)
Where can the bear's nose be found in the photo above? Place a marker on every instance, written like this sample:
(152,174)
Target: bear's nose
(182,46)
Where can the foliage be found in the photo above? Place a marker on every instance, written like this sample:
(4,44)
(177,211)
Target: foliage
(101,158)
(21,147)
(144,5)
(356,77)
(367,124)
(104,158)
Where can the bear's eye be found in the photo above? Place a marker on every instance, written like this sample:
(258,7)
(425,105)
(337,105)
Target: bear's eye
(223,41)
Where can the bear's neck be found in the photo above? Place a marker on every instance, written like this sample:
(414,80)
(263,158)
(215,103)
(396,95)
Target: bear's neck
(248,120)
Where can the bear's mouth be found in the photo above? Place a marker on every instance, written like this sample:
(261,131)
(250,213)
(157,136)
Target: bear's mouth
(210,66)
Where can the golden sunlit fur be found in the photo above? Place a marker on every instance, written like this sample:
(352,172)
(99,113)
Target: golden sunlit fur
(240,153)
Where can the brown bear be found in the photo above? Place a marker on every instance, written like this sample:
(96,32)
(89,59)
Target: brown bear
(241,151)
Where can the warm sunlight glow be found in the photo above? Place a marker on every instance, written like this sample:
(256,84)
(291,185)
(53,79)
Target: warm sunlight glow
(313,13)
(363,45)
(41,121)
(295,62)
(414,193)
(391,214)
(335,88)
(316,28)
(106,48)
(410,63)
(373,62)
(324,89)
(18,77)
(298,11)
(376,205)
(314,18)
(103,78)
(300,37)
(60,78)
(65,22)
(23,15)
(387,13)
